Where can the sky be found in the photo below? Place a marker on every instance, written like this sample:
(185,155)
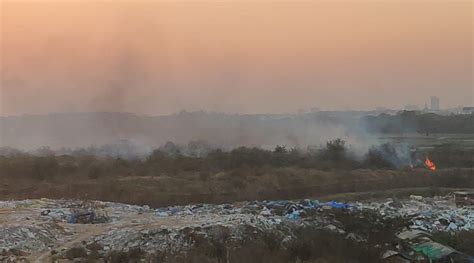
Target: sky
(161,57)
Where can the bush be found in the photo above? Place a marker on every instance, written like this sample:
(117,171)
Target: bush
(383,156)
(335,150)
(334,156)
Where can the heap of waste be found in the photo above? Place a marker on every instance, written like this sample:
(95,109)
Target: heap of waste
(429,214)
(418,246)
(34,228)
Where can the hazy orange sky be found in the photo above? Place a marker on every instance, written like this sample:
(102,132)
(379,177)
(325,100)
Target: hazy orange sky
(157,57)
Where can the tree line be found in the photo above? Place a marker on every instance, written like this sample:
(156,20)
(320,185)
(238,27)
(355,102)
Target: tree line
(168,160)
(417,122)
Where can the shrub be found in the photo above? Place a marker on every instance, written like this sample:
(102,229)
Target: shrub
(335,150)
(383,156)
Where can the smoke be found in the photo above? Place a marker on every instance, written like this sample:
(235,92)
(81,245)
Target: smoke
(219,130)
(198,133)
(127,74)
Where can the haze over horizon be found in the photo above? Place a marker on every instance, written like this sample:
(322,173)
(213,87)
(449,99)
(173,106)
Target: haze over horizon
(157,57)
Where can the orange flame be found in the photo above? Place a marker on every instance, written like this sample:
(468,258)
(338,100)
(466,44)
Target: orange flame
(430,164)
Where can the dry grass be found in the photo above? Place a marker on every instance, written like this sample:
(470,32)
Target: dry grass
(237,185)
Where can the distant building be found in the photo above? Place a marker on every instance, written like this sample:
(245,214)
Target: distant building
(468,110)
(434,103)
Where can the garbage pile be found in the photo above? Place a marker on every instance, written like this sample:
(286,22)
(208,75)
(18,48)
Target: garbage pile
(418,246)
(21,237)
(31,228)
(429,214)
(36,225)
(22,230)
(71,211)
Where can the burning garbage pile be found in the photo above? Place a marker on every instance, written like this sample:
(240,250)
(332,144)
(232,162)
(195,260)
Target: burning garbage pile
(430,164)
(416,161)
(54,228)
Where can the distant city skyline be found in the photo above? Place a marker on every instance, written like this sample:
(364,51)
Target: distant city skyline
(158,58)
(434,103)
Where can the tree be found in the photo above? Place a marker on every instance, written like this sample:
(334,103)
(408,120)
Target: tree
(171,149)
(280,149)
(335,150)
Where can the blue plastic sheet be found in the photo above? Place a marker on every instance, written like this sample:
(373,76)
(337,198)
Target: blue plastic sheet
(336,205)
(295,215)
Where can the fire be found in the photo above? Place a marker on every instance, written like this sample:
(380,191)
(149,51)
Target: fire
(430,164)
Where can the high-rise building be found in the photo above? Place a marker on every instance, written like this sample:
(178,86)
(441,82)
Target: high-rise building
(434,103)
